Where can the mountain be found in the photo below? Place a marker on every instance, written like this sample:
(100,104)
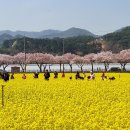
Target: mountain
(50,32)
(4,37)
(7,32)
(18,36)
(118,40)
(121,29)
(40,34)
(72,32)
(76,41)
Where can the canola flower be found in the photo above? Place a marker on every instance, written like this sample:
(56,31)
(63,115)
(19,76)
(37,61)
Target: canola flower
(64,104)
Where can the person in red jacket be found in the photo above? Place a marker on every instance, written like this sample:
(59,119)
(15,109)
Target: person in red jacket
(63,75)
(24,76)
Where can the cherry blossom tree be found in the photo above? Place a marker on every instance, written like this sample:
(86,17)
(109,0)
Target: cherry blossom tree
(41,60)
(90,58)
(36,58)
(22,60)
(123,58)
(48,59)
(68,57)
(79,61)
(106,58)
(59,60)
(5,60)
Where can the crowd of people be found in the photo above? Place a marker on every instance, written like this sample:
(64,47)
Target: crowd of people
(6,76)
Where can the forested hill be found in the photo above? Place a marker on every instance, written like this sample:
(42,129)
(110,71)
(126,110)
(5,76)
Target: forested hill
(78,45)
(118,40)
(50,33)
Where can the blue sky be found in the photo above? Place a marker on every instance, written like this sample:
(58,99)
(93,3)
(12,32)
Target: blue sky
(97,16)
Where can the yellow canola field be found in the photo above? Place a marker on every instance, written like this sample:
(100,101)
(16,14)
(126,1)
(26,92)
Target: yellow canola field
(64,104)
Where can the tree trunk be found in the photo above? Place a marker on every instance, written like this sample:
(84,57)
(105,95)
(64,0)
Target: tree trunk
(39,66)
(60,67)
(44,67)
(92,66)
(70,67)
(22,67)
(105,66)
(4,66)
(25,67)
(50,68)
(81,68)
(123,66)
(63,68)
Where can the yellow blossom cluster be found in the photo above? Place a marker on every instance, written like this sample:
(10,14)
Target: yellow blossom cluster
(64,104)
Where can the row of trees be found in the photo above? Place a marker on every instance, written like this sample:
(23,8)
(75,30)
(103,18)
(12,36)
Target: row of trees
(75,45)
(42,60)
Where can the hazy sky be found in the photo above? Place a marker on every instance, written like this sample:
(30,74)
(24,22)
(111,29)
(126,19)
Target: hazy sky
(97,16)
